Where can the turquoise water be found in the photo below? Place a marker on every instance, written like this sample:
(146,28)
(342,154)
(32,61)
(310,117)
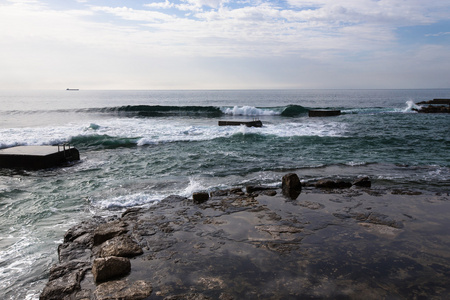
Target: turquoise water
(139,146)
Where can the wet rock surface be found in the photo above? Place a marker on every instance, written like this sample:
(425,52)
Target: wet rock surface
(107,268)
(330,245)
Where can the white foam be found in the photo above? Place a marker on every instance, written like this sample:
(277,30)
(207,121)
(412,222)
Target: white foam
(138,199)
(156,131)
(195,185)
(307,128)
(410,105)
(249,111)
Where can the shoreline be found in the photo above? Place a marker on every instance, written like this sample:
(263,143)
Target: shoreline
(326,243)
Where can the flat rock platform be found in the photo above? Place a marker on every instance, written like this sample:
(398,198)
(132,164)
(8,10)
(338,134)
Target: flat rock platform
(37,157)
(356,243)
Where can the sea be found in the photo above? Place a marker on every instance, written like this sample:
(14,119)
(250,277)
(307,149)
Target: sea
(138,147)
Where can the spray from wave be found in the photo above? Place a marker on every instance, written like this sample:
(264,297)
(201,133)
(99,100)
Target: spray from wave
(411,107)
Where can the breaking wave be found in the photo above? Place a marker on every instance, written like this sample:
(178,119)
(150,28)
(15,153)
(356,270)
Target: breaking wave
(152,111)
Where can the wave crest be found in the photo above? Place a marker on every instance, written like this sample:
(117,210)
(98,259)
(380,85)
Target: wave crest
(294,111)
(166,111)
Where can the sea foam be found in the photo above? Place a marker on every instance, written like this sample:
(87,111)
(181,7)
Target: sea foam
(249,111)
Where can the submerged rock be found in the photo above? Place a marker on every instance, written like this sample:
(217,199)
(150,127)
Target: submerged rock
(122,289)
(363,182)
(333,184)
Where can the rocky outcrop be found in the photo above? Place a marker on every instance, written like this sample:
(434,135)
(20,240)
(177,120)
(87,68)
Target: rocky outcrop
(333,184)
(98,246)
(434,106)
(257,188)
(242,245)
(363,182)
(434,109)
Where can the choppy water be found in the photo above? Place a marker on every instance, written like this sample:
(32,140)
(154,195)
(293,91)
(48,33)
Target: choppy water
(139,146)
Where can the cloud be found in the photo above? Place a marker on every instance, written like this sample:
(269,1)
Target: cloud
(438,34)
(208,3)
(177,43)
(164,5)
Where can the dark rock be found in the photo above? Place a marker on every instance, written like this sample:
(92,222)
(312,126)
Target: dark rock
(433,108)
(291,185)
(63,286)
(363,182)
(133,211)
(82,233)
(333,184)
(73,251)
(108,230)
(200,197)
(270,193)
(110,267)
(122,246)
(236,191)
(122,289)
(323,113)
(192,296)
(256,188)
(63,269)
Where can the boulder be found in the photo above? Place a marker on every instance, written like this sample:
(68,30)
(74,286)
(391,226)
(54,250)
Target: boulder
(108,230)
(332,184)
(122,289)
(110,267)
(362,182)
(200,197)
(122,246)
(291,185)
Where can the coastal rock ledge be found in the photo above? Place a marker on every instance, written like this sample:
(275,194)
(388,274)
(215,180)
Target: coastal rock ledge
(259,244)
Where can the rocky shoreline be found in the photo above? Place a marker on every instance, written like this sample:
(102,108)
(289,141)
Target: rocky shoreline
(435,106)
(332,240)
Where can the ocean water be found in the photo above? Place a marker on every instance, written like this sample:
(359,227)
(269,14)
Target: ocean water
(138,147)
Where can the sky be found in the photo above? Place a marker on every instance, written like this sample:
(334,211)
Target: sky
(224,44)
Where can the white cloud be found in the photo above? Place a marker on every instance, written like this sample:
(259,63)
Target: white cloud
(438,34)
(208,3)
(306,42)
(166,4)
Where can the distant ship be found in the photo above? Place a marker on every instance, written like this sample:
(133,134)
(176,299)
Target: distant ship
(72,89)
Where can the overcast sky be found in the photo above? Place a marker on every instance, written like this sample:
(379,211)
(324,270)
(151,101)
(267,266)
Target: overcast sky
(224,44)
